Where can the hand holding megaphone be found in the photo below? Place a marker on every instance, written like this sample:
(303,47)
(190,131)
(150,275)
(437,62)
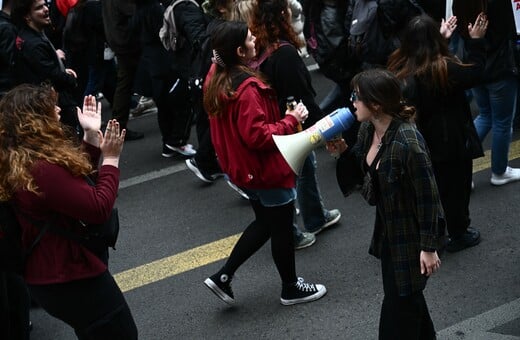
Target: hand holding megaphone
(299,112)
(295,148)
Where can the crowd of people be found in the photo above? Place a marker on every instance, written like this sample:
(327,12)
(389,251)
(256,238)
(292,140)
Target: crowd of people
(234,65)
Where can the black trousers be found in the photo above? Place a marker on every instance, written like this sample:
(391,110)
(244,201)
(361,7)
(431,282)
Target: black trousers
(94,307)
(206,157)
(274,223)
(454,183)
(402,317)
(14,307)
(126,70)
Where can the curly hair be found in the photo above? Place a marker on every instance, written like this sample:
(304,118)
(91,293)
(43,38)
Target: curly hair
(271,22)
(31,132)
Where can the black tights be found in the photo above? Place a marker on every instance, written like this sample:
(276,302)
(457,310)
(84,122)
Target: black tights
(271,222)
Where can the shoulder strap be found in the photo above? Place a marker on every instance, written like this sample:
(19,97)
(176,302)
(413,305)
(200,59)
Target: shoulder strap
(255,64)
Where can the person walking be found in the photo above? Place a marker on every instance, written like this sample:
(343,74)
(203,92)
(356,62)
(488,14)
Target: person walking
(289,77)
(496,95)
(391,159)
(435,82)
(244,115)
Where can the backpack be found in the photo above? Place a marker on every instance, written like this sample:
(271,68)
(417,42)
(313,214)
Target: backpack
(169,35)
(367,42)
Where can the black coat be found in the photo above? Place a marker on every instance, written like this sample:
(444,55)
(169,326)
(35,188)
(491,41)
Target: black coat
(37,63)
(444,118)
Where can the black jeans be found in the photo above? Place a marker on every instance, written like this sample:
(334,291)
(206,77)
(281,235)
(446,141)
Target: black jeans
(94,307)
(14,307)
(454,183)
(402,317)
(206,157)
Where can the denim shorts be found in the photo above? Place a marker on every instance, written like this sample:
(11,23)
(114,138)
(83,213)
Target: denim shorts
(272,197)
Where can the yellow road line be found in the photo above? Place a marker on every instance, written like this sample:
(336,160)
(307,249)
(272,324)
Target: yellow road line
(218,250)
(175,264)
(483,163)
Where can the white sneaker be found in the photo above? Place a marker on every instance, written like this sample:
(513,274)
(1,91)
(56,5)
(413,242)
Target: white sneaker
(185,150)
(510,175)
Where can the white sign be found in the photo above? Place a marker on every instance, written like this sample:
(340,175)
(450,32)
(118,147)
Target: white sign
(449,11)
(516,12)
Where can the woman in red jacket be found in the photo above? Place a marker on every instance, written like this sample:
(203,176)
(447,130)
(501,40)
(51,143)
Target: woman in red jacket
(42,171)
(244,115)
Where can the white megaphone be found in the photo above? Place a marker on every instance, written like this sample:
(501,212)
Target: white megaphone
(296,147)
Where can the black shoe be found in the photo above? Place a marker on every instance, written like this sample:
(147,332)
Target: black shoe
(469,239)
(221,286)
(167,152)
(208,177)
(133,135)
(300,292)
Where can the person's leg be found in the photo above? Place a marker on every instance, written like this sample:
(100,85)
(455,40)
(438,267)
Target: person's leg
(309,197)
(402,317)
(15,303)
(502,98)
(333,100)
(126,70)
(182,113)
(483,121)
(94,307)
(315,216)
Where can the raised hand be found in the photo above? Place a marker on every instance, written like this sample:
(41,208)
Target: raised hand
(90,117)
(111,143)
(479,28)
(448,27)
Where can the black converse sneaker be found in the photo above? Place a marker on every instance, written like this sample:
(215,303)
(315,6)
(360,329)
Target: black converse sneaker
(300,292)
(221,286)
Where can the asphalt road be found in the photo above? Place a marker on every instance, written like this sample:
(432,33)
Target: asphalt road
(176,231)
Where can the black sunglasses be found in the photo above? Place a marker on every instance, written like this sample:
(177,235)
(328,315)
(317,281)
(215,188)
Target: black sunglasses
(354,97)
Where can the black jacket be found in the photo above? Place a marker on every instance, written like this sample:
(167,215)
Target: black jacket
(7,50)
(37,62)
(116,19)
(289,76)
(191,22)
(444,119)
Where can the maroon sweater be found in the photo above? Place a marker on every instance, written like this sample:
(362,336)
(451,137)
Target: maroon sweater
(65,199)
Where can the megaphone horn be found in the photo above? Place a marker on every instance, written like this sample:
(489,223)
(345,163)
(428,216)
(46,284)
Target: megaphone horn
(295,148)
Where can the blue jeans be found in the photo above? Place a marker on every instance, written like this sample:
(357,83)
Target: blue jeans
(497,105)
(309,197)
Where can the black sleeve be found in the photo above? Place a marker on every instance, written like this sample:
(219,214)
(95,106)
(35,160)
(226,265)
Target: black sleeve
(467,76)
(289,77)
(191,21)
(43,62)
(7,41)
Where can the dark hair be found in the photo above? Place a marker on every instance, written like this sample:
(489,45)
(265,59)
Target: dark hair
(226,37)
(20,9)
(424,52)
(271,22)
(381,87)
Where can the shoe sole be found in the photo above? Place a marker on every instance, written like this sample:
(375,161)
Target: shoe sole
(326,225)
(499,182)
(180,152)
(219,292)
(319,294)
(197,172)
(168,155)
(457,249)
(307,245)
